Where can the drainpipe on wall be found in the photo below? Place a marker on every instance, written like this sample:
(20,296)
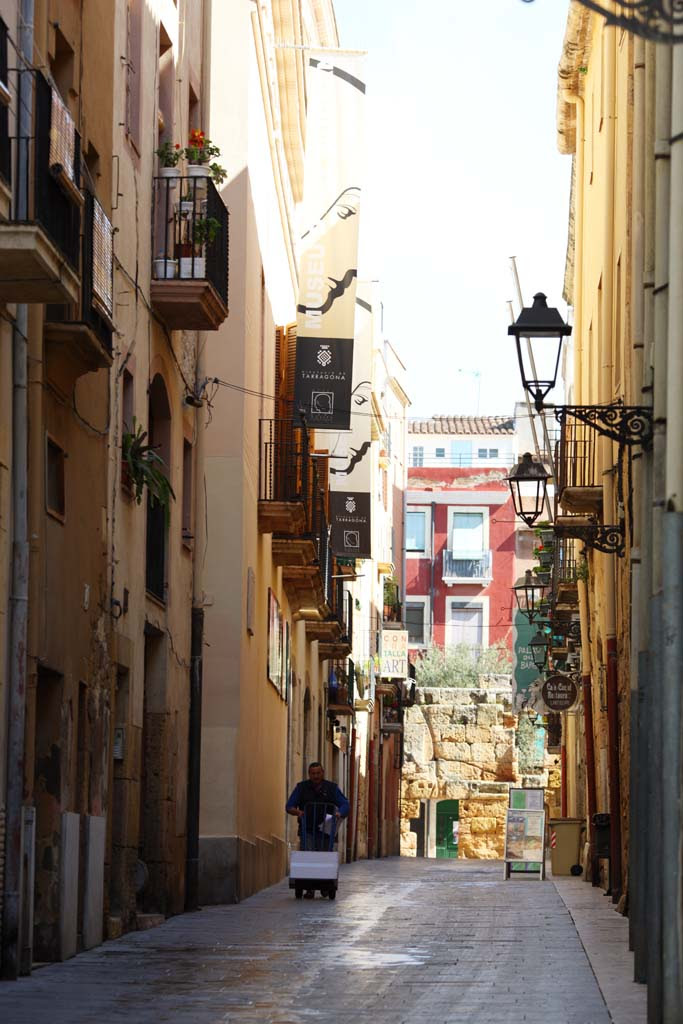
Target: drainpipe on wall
(194,746)
(570,739)
(587,691)
(656,810)
(639,552)
(672,574)
(607,463)
(18,598)
(431,580)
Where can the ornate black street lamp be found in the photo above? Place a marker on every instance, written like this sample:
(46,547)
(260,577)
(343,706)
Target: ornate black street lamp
(544,329)
(539,649)
(529,593)
(660,21)
(528,482)
(539,331)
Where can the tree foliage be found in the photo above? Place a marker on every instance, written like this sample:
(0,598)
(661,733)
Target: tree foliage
(461,665)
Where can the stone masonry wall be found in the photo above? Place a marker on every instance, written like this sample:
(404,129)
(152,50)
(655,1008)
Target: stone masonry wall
(460,745)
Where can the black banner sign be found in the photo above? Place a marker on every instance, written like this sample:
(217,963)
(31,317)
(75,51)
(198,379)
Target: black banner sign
(560,692)
(322,390)
(350,532)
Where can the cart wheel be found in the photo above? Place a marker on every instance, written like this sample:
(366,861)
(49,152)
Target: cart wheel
(331,893)
(299,892)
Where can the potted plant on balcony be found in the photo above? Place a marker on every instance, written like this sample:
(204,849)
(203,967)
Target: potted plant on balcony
(198,153)
(545,532)
(165,267)
(205,230)
(542,574)
(185,205)
(544,554)
(169,154)
(144,467)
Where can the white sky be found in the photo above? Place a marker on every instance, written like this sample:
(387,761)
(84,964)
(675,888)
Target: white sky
(463,173)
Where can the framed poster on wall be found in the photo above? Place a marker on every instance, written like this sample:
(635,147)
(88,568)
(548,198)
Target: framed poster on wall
(274,668)
(286,663)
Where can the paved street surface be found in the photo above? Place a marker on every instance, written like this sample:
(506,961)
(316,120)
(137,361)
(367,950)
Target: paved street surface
(406,941)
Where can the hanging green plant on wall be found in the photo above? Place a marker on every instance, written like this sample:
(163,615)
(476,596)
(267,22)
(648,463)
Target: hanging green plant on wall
(145,468)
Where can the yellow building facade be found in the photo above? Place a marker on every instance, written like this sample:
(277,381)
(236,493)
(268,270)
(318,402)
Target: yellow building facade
(619,116)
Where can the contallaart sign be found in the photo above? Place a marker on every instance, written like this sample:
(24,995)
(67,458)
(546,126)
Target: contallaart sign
(560,692)
(394,663)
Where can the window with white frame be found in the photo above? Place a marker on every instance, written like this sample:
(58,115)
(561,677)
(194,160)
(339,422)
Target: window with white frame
(466,624)
(439,453)
(416,620)
(416,530)
(467,533)
(417,455)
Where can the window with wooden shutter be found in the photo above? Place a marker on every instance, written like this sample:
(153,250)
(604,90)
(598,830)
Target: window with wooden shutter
(62,137)
(103,260)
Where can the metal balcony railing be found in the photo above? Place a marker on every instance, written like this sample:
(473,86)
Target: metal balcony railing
(44,168)
(286,471)
(565,563)
(576,456)
(5,151)
(191,232)
(97,276)
(342,609)
(459,565)
(321,536)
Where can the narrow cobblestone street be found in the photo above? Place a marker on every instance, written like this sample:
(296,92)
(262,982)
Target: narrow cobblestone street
(405,941)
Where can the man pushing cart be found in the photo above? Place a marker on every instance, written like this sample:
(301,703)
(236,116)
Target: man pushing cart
(319,805)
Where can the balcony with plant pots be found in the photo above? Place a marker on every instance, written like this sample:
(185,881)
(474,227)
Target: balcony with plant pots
(340,689)
(78,337)
(335,633)
(41,191)
(189,288)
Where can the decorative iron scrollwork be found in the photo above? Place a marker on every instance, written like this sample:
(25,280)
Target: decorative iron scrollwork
(660,21)
(609,539)
(625,424)
(605,537)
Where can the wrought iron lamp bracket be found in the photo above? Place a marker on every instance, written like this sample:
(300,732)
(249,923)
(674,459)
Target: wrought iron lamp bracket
(625,424)
(605,537)
(660,21)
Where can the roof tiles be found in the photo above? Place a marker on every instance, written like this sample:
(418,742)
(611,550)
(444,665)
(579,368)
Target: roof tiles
(462,425)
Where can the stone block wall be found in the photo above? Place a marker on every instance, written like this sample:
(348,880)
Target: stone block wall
(460,745)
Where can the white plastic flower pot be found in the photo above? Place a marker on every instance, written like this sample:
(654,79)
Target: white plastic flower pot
(198,171)
(171,174)
(192,268)
(165,269)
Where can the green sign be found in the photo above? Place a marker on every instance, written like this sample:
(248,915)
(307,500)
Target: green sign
(525,671)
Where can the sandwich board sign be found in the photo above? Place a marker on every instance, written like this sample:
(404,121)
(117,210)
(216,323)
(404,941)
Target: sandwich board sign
(524,840)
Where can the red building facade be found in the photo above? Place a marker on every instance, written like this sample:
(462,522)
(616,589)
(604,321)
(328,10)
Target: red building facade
(460,532)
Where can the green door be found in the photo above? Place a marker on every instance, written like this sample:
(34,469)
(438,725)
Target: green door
(447,819)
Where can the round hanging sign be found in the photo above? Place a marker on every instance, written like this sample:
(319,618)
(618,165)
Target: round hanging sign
(560,692)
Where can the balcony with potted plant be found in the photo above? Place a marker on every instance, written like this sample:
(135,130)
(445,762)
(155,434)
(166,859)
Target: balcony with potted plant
(40,165)
(335,633)
(189,287)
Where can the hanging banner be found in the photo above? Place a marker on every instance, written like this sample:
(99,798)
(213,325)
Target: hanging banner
(329,243)
(350,533)
(350,452)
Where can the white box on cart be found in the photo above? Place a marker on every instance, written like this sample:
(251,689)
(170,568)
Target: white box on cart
(314,865)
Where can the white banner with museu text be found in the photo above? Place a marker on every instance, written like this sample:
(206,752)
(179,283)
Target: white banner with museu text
(328,263)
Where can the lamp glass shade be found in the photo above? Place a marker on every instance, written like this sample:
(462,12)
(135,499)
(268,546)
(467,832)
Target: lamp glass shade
(538,332)
(528,593)
(528,482)
(539,649)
